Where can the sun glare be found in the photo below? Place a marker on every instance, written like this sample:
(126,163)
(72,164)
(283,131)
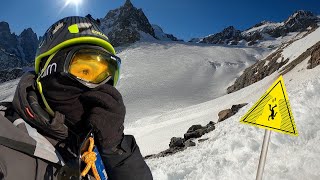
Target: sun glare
(74,2)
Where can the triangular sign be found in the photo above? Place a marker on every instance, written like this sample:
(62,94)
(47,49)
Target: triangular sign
(272,111)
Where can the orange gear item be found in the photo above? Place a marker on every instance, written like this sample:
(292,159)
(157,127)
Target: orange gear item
(89,157)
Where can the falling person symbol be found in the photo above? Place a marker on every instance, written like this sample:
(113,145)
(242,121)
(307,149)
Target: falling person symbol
(272,115)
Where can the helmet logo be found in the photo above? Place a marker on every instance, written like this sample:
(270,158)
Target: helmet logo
(58,26)
(50,69)
(99,33)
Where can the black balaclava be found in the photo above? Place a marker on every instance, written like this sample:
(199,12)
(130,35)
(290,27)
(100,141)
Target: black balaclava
(63,94)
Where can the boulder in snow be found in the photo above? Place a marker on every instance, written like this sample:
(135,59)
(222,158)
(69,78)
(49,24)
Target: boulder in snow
(225,114)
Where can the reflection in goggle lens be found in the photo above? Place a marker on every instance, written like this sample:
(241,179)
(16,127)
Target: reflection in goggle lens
(92,66)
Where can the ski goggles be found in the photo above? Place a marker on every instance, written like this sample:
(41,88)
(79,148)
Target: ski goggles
(92,66)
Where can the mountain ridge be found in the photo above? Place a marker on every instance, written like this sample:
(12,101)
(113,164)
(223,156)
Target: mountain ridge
(297,22)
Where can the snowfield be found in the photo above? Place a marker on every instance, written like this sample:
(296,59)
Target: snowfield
(157,77)
(233,149)
(169,86)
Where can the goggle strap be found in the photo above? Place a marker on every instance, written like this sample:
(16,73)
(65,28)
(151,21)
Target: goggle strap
(39,86)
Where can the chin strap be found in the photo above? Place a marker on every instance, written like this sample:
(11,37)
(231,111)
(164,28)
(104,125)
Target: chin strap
(39,85)
(90,158)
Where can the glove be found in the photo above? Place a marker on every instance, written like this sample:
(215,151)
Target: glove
(106,113)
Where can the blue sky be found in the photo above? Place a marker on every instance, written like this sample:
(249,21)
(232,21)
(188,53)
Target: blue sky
(183,18)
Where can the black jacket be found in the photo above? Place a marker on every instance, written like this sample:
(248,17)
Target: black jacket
(26,152)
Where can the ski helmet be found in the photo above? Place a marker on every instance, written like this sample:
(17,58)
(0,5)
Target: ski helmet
(72,31)
(65,34)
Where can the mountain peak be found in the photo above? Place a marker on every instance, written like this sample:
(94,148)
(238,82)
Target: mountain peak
(128,4)
(300,15)
(126,25)
(229,35)
(301,20)
(28,32)
(229,29)
(4,26)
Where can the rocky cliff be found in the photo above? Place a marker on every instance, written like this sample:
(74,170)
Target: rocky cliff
(126,25)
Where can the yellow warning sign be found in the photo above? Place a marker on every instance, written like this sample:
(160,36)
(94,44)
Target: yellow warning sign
(272,111)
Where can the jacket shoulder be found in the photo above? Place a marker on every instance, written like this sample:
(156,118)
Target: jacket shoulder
(17,165)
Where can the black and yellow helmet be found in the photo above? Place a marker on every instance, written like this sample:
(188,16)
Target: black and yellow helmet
(71,31)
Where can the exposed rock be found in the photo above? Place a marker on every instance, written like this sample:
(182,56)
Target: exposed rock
(252,38)
(224,114)
(7,75)
(227,36)
(194,134)
(159,34)
(315,56)
(210,127)
(235,108)
(9,61)
(125,24)
(202,140)
(8,40)
(196,131)
(312,50)
(194,127)
(300,21)
(258,71)
(28,41)
(176,142)
(165,153)
(14,51)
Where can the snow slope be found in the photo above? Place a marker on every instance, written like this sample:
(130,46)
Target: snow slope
(7,90)
(233,149)
(301,45)
(266,26)
(162,76)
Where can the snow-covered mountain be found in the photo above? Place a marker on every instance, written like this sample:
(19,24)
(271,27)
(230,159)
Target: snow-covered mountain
(229,35)
(300,21)
(284,58)
(126,25)
(163,36)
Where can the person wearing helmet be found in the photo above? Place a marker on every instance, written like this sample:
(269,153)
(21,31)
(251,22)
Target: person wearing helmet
(66,118)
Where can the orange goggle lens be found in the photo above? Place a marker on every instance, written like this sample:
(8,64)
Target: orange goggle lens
(92,66)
